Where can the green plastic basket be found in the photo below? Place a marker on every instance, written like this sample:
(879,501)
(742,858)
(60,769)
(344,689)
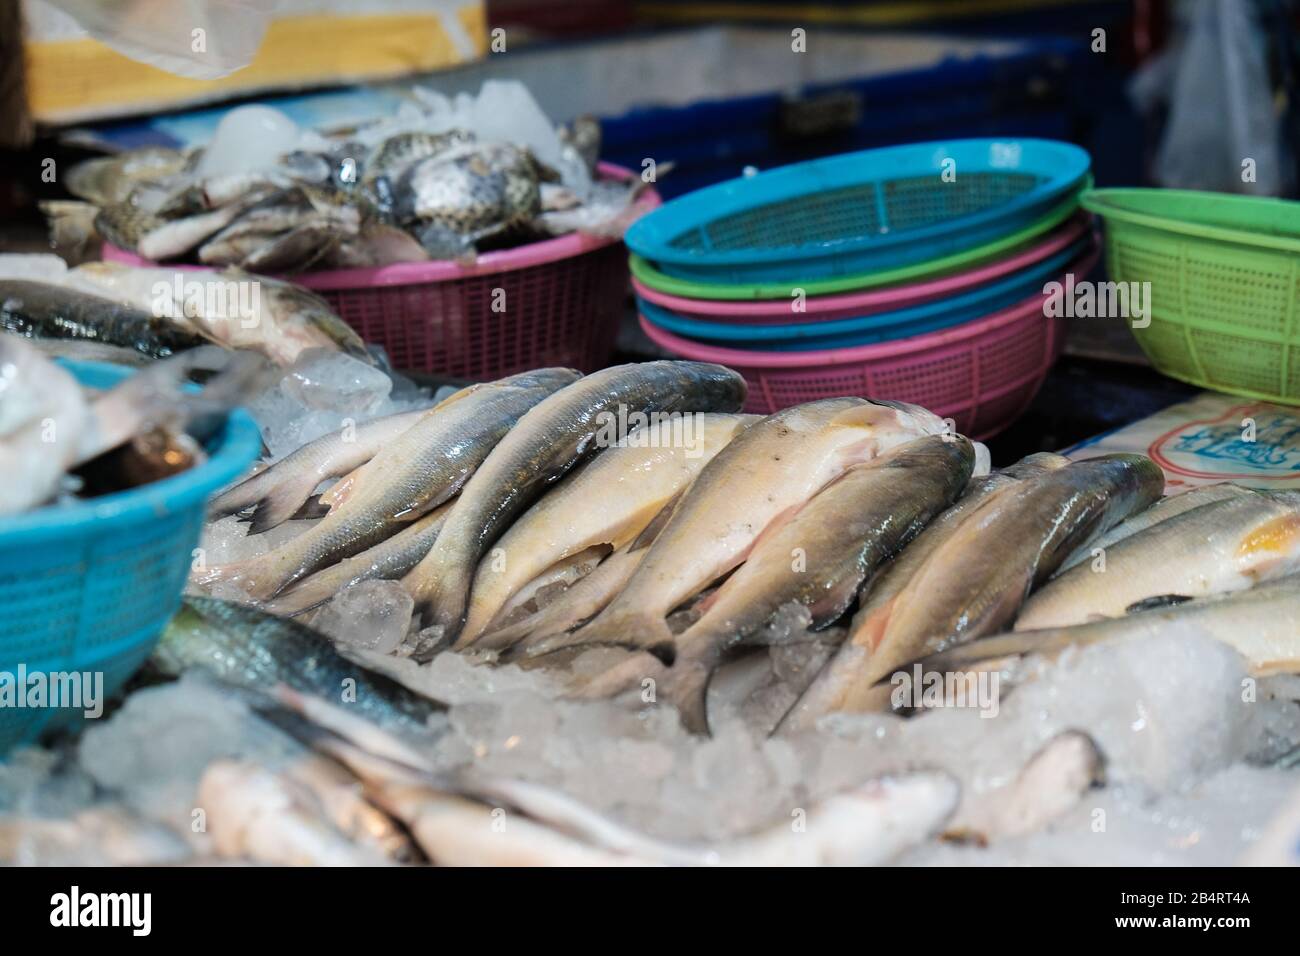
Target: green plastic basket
(933,268)
(1225,284)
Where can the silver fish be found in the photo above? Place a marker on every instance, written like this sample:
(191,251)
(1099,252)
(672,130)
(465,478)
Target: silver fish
(757,482)
(817,559)
(1226,545)
(425,466)
(276,493)
(548,441)
(976,581)
(388,560)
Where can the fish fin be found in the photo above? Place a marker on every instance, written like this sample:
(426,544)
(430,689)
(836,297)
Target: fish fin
(312,508)
(236,499)
(686,687)
(1157,601)
(632,629)
(283,503)
(441,598)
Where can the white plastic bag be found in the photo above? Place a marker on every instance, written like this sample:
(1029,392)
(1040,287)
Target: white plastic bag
(1223,131)
(198,39)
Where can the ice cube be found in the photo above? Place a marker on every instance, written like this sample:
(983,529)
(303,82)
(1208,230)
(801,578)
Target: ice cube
(371,614)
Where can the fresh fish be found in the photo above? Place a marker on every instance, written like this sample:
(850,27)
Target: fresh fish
(43,310)
(276,493)
(107,180)
(1262,624)
(396,154)
(246,648)
(816,559)
(584,135)
(288,231)
(975,581)
(1162,510)
(128,226)
(43,418)
(1226,545)
(451,818)
(559,577)
(387,561)
(377,244)
(255,814)
(751,487)
(457,198)
(1049,785)
(423,467)
(548,441)
(232,308)
(608,501)
(338,794)
(894,576)
(581,602)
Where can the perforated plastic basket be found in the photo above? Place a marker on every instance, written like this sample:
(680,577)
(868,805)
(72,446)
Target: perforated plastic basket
(847,305)
(1225,284)
(982,374)
(90,586)
(881,326)
(869,210)
(987,252)
(556,302)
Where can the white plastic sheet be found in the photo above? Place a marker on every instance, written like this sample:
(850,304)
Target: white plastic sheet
(199,39)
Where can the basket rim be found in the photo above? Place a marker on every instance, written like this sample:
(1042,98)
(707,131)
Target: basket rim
(1065,165)
(1039,248)
(931,310)
(435,270)
(744,358)
(240,443)
(1107,204)
(645,270)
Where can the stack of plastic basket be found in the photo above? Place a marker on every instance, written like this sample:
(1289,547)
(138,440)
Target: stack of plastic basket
(916,273)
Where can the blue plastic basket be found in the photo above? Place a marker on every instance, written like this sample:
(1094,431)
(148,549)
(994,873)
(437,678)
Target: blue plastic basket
(88,587)
(880,327)
(859,212)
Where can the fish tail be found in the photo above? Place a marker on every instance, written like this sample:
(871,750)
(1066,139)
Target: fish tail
(301,598)
(441,596)
(286,501)
(239,497)
(686,687)
(635,629)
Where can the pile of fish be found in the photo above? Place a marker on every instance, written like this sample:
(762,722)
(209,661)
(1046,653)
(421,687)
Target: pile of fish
(524,533)
(594,561)
(341,203)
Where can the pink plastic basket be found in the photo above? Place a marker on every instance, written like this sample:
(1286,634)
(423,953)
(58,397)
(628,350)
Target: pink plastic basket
(982,374)
(556,302)
(849,305)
